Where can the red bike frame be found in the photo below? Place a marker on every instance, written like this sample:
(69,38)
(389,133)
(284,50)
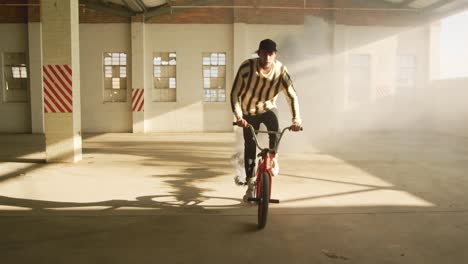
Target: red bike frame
(264,165)
(263,198)
(266,155)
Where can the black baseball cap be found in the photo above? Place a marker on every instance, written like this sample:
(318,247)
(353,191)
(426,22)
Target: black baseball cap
(267,45)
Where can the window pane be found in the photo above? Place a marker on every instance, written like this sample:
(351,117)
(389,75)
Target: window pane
(115,83)
(172,83)
(222,58)
(107,61)
(123,59)
(157,71)
(123,72)
(214,71)
(221,95)
(24,73)
(157,61)
(206,61)
(206,72)
(214,58)
(16,72)
(207,96)
(108,71)
(206,83)
(115,59)
(172,95)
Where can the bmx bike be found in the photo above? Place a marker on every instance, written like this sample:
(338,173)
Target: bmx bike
(264,174)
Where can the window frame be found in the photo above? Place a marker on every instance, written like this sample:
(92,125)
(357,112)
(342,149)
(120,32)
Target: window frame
(212,66)
(411,70)
(21,88)
(167,70)
(110,91)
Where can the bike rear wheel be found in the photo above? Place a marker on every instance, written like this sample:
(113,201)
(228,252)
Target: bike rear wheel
(264,199)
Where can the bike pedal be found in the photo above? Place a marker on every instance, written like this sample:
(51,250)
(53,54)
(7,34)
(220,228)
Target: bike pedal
(253,199)
(274,201)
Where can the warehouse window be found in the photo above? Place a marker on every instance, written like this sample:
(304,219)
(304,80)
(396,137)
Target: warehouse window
(406,72)
(214,76)
(359,78)
(115,77)
(164,76)
(15,73)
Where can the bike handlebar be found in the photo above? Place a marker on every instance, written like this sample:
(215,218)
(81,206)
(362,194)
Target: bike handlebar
(254,133)
(270,132)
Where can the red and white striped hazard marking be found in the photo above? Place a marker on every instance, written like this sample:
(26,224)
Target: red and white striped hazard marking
(138,99)
(57,89)
(383,90)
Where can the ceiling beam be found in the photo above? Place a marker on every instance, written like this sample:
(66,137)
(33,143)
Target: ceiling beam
(142,5)
(111,9)
(158,11)
(436,5)
(406,3)
(133,6)
(452,11)
(125,2)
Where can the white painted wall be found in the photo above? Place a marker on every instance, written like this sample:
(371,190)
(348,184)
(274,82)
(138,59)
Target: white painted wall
(447,109)
(15,117)
(399,110)
(97,116)
(189,113)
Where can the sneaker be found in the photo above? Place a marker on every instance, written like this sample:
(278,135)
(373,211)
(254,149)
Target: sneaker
(275,165)
(238,180)
(250,193)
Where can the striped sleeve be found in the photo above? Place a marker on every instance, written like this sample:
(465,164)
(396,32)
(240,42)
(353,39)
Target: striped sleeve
(291,96)
(237,88)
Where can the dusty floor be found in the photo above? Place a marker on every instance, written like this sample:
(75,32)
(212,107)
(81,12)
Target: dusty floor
(170,198)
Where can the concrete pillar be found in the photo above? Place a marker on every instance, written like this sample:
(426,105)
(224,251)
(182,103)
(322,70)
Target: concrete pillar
(35,67)
(61,77)
(138,74)
(240,52)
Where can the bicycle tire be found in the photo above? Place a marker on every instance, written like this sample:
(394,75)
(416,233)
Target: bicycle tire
(264,200)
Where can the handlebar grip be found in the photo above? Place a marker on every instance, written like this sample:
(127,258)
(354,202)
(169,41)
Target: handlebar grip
(234,123)
(300,129)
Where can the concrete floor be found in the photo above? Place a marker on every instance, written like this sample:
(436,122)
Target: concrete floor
(170,198)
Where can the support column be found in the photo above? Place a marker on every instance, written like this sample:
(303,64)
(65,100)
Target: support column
(240,45)
(61,80)
(138,74)
(35,67)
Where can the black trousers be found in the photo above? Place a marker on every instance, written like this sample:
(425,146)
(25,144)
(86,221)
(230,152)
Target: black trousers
(270,120)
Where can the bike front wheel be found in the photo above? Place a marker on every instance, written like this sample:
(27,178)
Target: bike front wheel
(264,199)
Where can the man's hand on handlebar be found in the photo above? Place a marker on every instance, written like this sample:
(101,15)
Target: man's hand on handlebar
(242,122)
(296,126)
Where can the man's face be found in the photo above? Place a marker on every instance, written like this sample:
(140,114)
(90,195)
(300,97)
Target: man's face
(266,58)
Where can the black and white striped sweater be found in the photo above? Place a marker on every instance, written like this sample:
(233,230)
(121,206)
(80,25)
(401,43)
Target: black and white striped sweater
(255,93)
